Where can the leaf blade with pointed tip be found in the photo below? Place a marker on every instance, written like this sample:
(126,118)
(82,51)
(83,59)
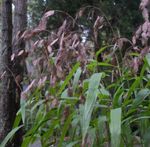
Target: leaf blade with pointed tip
(90,102)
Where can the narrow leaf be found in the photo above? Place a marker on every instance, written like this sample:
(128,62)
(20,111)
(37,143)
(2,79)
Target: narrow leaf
(115,127)
(90,103)
(9,136)
(64,130)
(142,94)
(76,79)
(68,78)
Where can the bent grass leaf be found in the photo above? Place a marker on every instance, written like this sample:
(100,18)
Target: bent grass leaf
(9,136)
(142,94)
(102,49)
(90,103)
(118,94)
(68,78)
(139,118)
(94,64)
(49,13)
(133,87)
(72,144)
(40,102)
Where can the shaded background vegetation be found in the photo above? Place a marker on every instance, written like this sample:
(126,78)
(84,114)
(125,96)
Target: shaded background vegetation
(124,15)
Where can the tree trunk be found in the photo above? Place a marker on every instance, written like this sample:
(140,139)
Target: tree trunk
(7,99)
(19,25)
(20,20)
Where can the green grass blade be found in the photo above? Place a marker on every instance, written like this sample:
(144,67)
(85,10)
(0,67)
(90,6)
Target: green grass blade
(17,120)
(148,58)
(26,141)
(142,94)
(90,103)
(50,130)
(133,87)
(117,95)
(64,130)
(40,102)
(102,49)
(68,78)
(76,79)
(22,109)
(115,127)
(72,144)
(9,136)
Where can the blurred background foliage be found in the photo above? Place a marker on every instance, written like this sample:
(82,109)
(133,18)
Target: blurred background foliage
(122,14)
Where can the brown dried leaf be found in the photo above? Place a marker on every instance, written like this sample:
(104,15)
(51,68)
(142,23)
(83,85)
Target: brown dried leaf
(27,34)
(53,79)
(43,22)
(143,4)
(41,27)
(49,48)
(53,42)
(62,28)
(21,52)
(61,42)
(66,113)
(37,61)
(120,43)
(3,74)
(49,13)
(30,86)
(12,57)
(41,43)
(144,38)
(24,94)
(145,27)
(42,82)
(97,25)
(18,79)
(99,21)
(80,13)
(54,103)
(145,14)
(59,71)
(138,32)
(135,64)
(134,40)
(144,51)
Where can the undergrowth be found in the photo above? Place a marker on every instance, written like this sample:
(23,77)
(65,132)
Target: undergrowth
(81,95)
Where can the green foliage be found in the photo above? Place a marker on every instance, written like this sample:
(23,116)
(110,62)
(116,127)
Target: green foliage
(68,78)
(115,127)
(97,113)
(90,103)
(9,136)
